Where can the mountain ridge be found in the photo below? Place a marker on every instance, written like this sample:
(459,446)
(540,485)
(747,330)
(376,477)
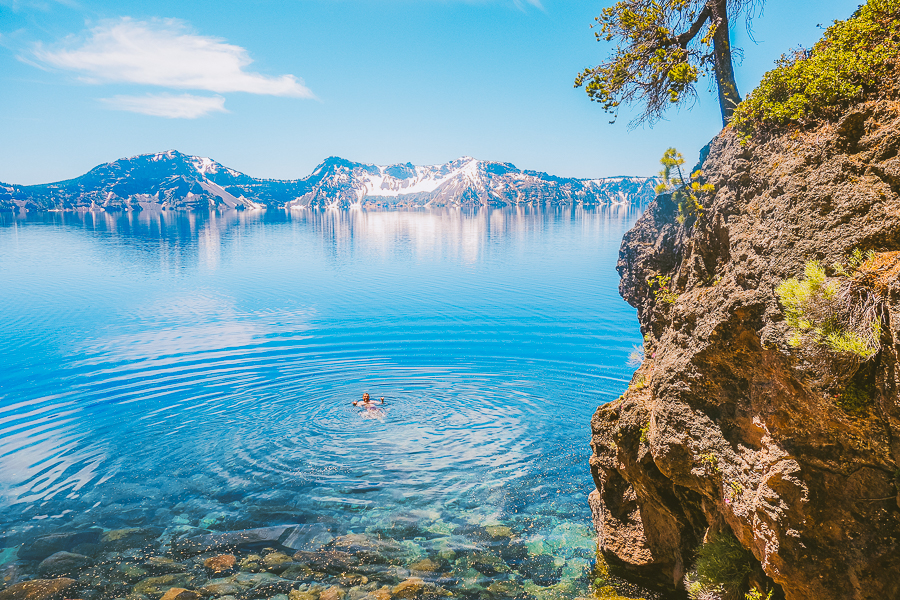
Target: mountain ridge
(174,180)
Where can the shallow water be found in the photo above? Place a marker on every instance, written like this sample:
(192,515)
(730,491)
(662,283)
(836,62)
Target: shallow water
(185,373)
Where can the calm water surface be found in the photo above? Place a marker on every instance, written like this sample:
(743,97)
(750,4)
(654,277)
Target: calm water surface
(188,373)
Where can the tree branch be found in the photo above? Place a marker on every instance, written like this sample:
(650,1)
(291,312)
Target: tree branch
(684,39)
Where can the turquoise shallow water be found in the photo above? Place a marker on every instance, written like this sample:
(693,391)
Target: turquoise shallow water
(191,374)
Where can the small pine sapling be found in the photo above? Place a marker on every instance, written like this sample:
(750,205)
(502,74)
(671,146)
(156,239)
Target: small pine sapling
(685,191)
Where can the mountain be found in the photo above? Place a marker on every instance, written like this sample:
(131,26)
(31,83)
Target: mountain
(172,180)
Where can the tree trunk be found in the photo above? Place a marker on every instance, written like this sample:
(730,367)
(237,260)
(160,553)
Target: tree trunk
(729,97)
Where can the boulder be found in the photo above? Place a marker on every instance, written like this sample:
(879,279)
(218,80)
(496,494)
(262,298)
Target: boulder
(63,563)
(163,564)
(425,565)
(156,586)
(180,594)
(131,537)
(416,587)
(246,538)
(41,547)
(220,563)
(222,587)
(36,589)
(365,547)
(333,593)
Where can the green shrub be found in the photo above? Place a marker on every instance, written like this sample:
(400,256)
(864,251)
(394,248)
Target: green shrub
(661,287)
(639,383)
(721,569)
(757,594)
(823,315)
(854,59)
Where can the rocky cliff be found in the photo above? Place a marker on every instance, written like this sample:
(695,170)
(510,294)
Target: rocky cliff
(727,429)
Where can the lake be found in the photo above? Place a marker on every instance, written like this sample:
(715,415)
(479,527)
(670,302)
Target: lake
(172,378)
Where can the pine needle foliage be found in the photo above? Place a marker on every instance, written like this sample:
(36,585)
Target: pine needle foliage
(685,191)
(835,321)
(831,313)
(854,60)
(662,49)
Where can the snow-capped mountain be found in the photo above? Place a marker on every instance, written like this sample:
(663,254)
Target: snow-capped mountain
(162,180)
(465,181)
(175,180)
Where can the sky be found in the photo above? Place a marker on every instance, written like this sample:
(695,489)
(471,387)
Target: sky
(271,88)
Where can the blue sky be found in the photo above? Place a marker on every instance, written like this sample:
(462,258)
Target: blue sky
(271,88)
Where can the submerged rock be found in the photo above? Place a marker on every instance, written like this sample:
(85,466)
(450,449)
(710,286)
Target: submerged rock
(156,586)
(131,537)
(499,531)
(12,572)
(43,546)
(425,565)
(37,589)
(180,594)
(409,588)
(328,561)
(507,589)
(131,572)
(333,593)
(220,563)
(277,561)
(416,587)
(222,587)
(367,548)
(542,569)
(164,564)
(382,593)
(247,538)
(63,563)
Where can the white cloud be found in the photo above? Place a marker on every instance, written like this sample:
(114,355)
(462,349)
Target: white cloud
(185,106)
(165,53)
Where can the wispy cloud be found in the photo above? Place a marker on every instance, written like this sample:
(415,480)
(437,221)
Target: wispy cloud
(165,53)
(185,106)
(520,4)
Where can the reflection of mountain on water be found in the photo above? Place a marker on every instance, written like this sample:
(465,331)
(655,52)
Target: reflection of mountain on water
(181,237)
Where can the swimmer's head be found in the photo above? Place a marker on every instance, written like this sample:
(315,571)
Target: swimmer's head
(366,397)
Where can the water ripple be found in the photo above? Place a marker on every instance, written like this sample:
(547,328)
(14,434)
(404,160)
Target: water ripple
(217,371)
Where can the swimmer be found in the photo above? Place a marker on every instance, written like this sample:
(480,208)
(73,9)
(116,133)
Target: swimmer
(366,401)
(373,410)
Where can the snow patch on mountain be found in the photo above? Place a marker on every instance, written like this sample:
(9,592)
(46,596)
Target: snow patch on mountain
(171,179)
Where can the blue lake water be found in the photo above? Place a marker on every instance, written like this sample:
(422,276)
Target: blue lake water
(191,374)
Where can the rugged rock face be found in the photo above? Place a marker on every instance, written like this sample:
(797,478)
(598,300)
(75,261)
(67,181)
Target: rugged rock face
(727,427)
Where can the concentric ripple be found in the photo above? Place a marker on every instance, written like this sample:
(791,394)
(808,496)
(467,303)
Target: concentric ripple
(179,366)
